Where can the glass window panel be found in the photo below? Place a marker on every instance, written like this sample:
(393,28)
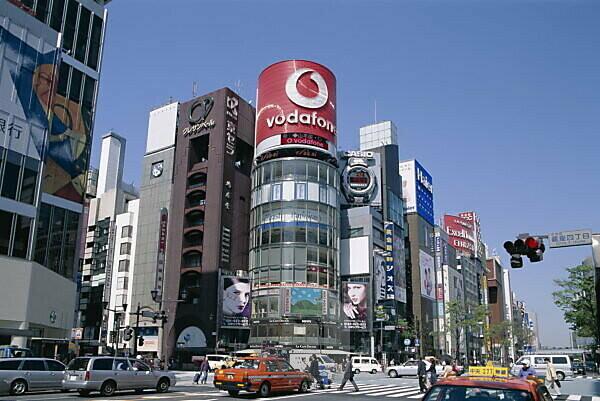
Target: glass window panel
(313,171)
(323,276)
(5,222)
(82,34)
(12,170)
(312,274)
(287,274)
(311,234)
(276,192)
(300,274)
(300,234)
(300,256)
(21,241)
(276,174)
(300,170)
(75,87)
(56,240)
(323,256)
(57,14)
(63,79)
(312,255)
(288,168)
(29,180)
(41,10)
(322,236)
(288,256)
(265,233)
(274,306)
(267,173)
(289,234)
(275,258)
(300,190)
(70,21)
(275,235)
(43,227)
(95,38)
(323,174)
(274,275)
(89,91)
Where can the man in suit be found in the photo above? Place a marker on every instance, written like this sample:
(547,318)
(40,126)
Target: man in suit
(348,375)
(422,375)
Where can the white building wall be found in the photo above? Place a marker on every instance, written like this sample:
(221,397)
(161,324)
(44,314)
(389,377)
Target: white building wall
(112,159)
(377,135)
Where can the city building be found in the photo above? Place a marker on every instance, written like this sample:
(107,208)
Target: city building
(378,135)
(107,246)
(508,312)
(417,192)
(295,218)
(206,272)
(39,245)
(497,308)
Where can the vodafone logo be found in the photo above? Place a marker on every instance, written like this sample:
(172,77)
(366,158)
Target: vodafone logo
(315,102)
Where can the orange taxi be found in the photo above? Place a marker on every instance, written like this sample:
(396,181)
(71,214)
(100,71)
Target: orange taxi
(469,388)
(261,375)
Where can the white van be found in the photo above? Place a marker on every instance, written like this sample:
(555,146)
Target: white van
(301,361)
(562,364)
(216,361)
(365,364)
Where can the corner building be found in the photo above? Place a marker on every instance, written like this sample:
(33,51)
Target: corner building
(294,234)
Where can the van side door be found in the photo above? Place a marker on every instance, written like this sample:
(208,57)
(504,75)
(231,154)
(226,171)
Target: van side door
(57,373)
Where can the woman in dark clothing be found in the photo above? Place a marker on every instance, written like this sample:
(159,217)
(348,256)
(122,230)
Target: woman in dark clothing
(432,372)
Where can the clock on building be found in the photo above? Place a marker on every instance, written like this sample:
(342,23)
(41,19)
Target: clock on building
(157,169)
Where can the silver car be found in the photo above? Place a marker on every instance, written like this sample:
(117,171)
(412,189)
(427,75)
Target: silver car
(110,374)
(4,387)
(26,374)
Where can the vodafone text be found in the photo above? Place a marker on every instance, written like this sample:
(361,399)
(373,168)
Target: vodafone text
(312,119)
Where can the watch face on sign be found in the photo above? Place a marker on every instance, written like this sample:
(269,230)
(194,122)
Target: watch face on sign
(157,169)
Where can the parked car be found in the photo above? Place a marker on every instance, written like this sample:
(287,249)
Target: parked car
(408,368)
(365,364)
(262,376)
(108,374)
(26,374)
(4,387)
(578,367)
(562,363)
(590,366)
(13,351)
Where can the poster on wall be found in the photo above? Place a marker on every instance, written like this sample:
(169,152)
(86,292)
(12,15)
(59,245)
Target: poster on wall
(306,301)
(236,302)
(379,271)
(355,305)
(427,267)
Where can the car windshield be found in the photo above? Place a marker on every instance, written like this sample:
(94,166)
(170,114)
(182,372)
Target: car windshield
(461,393)
(327,359)
(78,364)
(246,364)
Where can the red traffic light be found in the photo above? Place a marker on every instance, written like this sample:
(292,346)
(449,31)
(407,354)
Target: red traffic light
(532,243)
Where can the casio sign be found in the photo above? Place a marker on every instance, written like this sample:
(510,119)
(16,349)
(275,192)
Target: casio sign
(357,153)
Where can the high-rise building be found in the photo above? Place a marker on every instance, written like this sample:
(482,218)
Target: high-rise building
(44,158)
(378,135)
(295,221)
(417,191)
(497,304)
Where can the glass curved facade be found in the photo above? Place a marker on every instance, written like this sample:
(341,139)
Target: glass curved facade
(294,252)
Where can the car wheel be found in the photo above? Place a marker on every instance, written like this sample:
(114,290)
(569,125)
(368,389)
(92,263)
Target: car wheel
(233,393)
(303,386)
(356,371)
(18,387)
(163,385)
(108,388)
(560,376)
(373,371)
(264,389)
(392,373)
(84,393)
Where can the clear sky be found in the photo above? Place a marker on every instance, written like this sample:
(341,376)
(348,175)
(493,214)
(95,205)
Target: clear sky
(499,100)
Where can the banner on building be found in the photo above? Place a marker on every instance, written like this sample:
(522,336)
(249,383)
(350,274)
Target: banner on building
(390,290)
(355,305)
(427,269)
(236,307)
(304,301)
(380,275)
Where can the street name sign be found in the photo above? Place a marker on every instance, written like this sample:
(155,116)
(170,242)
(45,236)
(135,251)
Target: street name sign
(563,239)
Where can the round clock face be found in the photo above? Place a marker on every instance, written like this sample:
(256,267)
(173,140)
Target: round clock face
(157,169)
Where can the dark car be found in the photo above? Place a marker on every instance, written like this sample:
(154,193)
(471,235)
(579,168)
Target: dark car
(578,367)
(590,366)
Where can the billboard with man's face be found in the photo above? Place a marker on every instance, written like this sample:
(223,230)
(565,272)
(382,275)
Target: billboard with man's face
(236,302)
(355,305)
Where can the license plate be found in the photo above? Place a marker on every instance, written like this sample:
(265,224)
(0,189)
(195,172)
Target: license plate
(230,377)
(73,377)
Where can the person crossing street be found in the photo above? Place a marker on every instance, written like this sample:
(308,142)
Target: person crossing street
(552,381)
(348,375)
(422,375)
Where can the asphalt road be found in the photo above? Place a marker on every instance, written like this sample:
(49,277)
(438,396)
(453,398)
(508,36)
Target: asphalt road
(371,387)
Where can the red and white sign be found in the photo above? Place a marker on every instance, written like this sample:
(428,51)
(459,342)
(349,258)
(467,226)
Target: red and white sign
(296,107)
(461,233)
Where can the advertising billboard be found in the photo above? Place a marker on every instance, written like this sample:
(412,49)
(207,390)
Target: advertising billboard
(296,108)
(355,305)
(304,301)
(461,233)
(361,178)
(427,268)
(236,302)
(379,272)
(417,190)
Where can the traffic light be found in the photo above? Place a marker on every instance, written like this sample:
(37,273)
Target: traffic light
(128,334)
(140,341)
(535,249)
(112,337)
(516,261)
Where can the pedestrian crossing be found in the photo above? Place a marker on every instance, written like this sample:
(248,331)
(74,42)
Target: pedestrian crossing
(576,397)
(378,390)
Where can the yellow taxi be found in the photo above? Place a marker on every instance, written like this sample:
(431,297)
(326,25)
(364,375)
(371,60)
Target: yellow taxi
(488,384)
(261,375)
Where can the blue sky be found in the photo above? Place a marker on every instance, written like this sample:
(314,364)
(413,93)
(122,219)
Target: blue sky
(499,100)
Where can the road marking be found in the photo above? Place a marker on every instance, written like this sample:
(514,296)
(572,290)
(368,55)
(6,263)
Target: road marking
(372,390)
(349,385)
(411,392)
(386,392)
(574,397)
(595,398)
(416,396)
(158,397)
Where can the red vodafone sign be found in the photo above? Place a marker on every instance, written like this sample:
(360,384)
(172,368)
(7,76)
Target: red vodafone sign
(296,107)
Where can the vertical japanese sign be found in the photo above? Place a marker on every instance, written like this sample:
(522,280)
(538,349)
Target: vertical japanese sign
(161,255)
(390,291)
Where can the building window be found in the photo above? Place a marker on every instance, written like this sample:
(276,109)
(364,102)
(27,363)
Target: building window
(57,14)
(30,173)
(122,283)
(82,34)
(12,171)
(6,222)
(125,248)
(300,191)
(123,266)
(70,23)
(276,192)
(21,241)
(126,231)
(95,42)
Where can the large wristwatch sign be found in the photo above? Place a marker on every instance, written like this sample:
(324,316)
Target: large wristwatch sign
(359,178)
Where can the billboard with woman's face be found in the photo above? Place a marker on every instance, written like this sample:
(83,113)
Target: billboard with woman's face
(236,302)
(355,305)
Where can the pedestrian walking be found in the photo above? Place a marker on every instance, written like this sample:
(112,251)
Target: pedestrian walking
(204,368)
(422,375)
(447,370)
(431,372)
(197,375)
(551,377)
(348,375)
(314,371)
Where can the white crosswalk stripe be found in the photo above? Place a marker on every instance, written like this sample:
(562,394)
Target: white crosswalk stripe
(595,398)
(574,397)
(416,396)
(373,390)
(411,392)
(397,389)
